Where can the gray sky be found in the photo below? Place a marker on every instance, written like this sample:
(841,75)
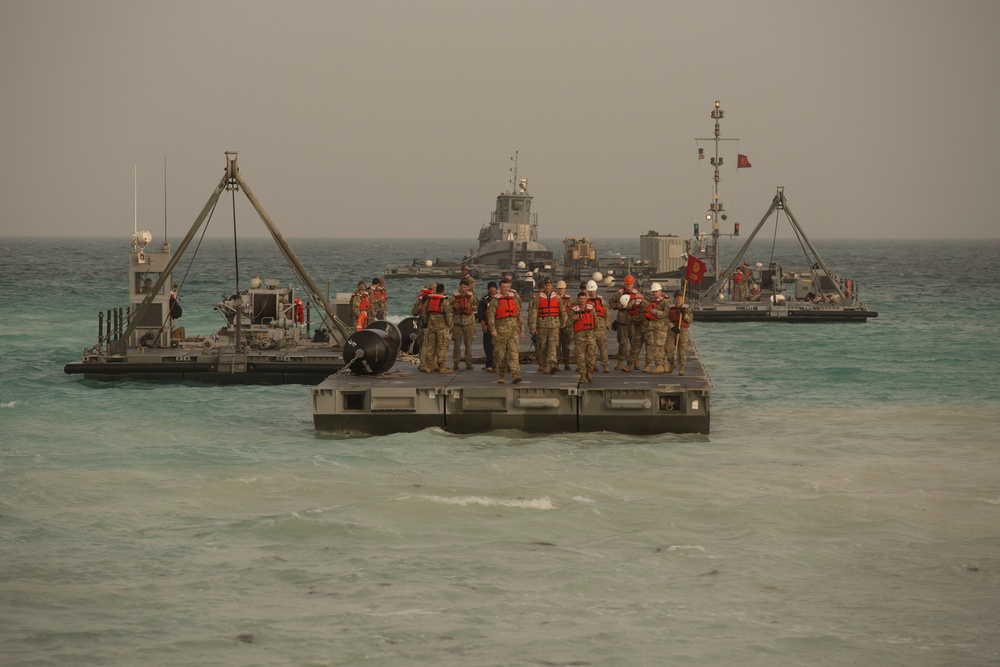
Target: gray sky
(367,119)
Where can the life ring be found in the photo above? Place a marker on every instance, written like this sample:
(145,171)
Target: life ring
(362,321)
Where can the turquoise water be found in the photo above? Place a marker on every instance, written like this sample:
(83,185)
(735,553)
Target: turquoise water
(844,510)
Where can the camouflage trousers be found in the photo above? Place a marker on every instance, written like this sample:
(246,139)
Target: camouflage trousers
(586,351)
(672,346)
(636,341)
(506,352)
(624,331)
(565,345)
(436,340)
(546,346)
(655,338)
(601,340)
(461,334)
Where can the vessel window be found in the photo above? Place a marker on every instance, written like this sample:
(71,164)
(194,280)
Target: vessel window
(517,205)
(144,282)
(504,205)
(527,205)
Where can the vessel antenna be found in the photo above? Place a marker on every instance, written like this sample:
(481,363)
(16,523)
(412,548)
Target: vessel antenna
(164,198)
(135,197)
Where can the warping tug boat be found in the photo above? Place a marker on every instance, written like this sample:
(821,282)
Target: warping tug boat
(770,293)
(507,244)
(267,337)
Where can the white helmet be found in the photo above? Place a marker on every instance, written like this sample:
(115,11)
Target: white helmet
(655,287)
(591,286)
(623,301)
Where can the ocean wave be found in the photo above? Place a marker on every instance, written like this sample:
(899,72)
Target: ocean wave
(543,503)
(8,405)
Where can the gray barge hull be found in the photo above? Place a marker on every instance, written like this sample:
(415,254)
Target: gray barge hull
(471,401)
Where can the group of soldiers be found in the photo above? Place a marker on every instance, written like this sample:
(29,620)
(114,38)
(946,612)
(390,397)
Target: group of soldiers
(368,303)
(561,327)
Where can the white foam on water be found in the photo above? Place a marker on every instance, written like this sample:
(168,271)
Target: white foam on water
(544,503)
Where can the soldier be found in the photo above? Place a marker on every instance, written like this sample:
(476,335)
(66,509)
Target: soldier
(603,323)
(637,325)
(379,299)
(361,307)
(623,323)
(566,331)
(680,317)
(545,320)
(738,285)
(484,303)
(468,277)
(655,337)
(584,321)
(463,304)
(507,328)
(437,311)
(417,311)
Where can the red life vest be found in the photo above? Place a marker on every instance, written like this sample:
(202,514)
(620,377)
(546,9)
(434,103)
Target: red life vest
(300,311)
(506,306)
(463,303)
(635,305)
(652,306)
(738,276)
(548,305)
(379,293)
(676,317)
(434,302)
(599,306)
(586,320)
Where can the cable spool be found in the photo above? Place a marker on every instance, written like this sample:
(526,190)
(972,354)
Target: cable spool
(370,352)
(408,336)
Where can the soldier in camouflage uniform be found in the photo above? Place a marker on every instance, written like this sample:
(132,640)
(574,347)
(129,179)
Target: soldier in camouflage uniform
(463,306)
(504,320)
(437,311)
(566,331)
(603,323)
(655,337)
(545,320)
(584,322)
(637,318)
(623,323)
(417,311)
(680,317)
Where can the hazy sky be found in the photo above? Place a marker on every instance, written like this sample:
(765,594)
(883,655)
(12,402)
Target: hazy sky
(367,119)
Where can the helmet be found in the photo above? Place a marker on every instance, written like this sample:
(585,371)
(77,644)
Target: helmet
(677,292)
(655,287)
(623,300)
(630,279)
(591,286)
(561,284)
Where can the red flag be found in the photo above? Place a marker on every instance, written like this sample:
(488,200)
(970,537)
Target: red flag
(742,162)
(695,270)
(701,153)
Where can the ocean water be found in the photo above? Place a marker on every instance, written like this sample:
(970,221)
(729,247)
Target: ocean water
(844,510)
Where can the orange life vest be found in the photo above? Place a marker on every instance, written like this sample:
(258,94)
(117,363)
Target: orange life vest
(586,320)
(463,303)
(676,317)
(652,306)
(506,306)
(738,276)
(548,305)
(379,293)
(434,302)
(599,306)
(635,305)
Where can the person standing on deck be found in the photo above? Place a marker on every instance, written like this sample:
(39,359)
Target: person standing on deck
(380,306)
(623,323)
(481,317)
(468,277)
(545,320)
(603,323)
(463,306)
(361,307)
(507,328)
(584,322)
(417,311)
(655,338)
(680,317)
(637,325)
(566,330)
(437,311)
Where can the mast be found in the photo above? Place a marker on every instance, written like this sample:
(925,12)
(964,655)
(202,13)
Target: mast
(716,210)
